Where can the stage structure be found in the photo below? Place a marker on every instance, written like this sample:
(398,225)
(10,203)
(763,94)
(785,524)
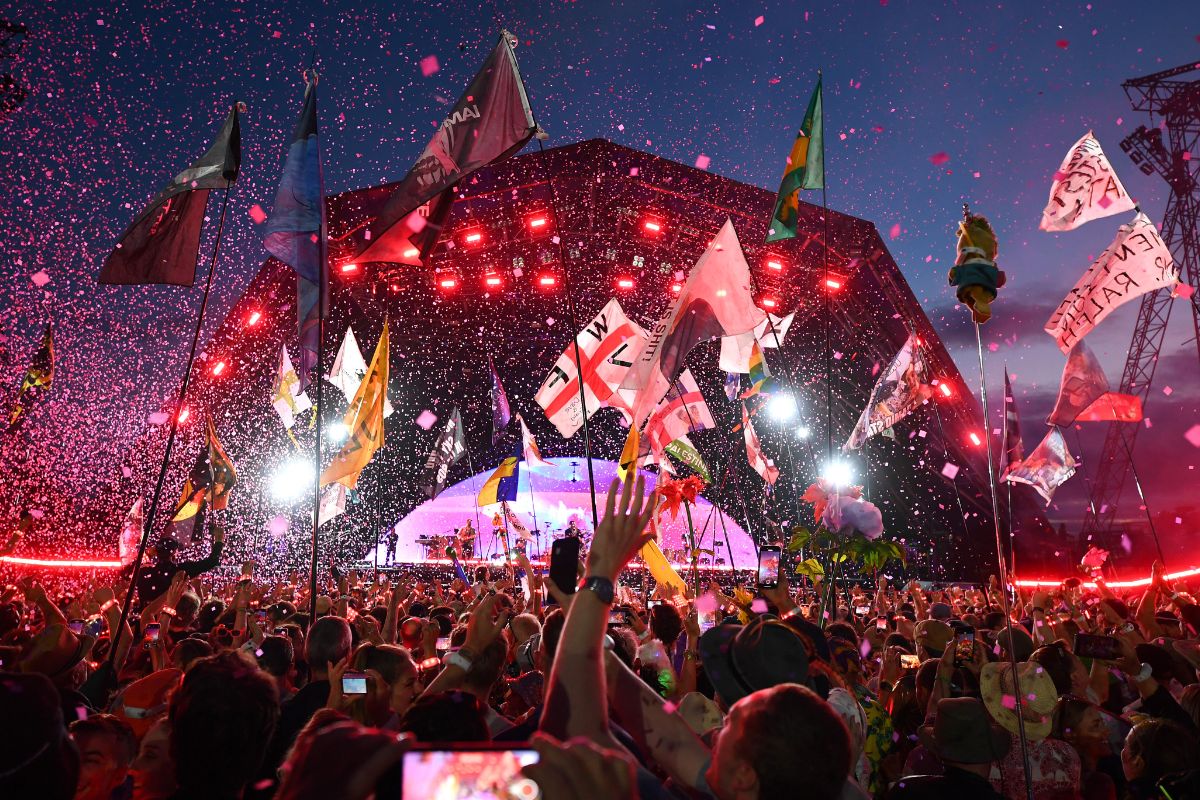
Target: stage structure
(1173,103)
(630,225)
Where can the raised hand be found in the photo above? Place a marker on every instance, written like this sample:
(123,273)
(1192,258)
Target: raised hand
(622,532)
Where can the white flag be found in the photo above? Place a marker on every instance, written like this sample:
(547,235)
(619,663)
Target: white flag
(349,368)
(900,389)
(514,523)
(681,412)
(1084,188)
(607,348)
(131,534)
(1137,262)
(333,503)
(286,396)
(532,454)
(764,466)
(1047,467)
(735,350)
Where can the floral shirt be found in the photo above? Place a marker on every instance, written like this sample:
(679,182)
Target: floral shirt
(1054,767)
(877,745)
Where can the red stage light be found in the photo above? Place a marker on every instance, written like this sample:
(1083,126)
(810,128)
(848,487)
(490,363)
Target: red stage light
(547,281)
(539,223)
(218,368)
(351,267)
(447,283)
(493,281)
(775,264)
(183,415)
(412,252)
(975,440)
(253,319)
(944,388)
(624,283)
(769,302)
(652,227)
(473,237)
(676,288)
(833,283)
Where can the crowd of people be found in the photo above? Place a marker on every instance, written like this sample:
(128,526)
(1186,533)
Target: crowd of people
(228,689)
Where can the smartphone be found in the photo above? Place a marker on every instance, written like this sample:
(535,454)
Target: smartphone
(617,617)
(354,683)
(564,563)
(862,611)
(768,566)
(964,648)
(480,772)
(75,626)
(908,661)
(260,616)
(707,621)
(443,643)
(281,631)
(151,634)
(1105,648)
(881,624)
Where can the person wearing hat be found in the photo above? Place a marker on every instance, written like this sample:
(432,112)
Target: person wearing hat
(155,579)
(1055,767)
(61,656)
(968,743)
(932,637)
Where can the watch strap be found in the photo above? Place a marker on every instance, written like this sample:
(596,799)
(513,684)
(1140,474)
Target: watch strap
(601,587)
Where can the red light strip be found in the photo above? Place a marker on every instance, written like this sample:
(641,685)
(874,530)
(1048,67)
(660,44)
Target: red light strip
(43,562)
(1174,576)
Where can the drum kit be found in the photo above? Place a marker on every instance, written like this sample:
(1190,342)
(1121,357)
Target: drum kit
(436,547)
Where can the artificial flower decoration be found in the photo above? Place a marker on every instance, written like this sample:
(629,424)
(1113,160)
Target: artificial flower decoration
(671,494)
(844,513)
(690,487)
(819,494)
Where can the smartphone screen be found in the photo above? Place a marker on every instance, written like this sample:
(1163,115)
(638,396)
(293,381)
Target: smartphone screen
(862,611)
(564,563)
(964,648)
(881,623)
(1105,648)
(768,567)
(707,620)
(152,632)
(616,617)
(354,683)
(908,661)
(443,643)
(75,626)
(480,774)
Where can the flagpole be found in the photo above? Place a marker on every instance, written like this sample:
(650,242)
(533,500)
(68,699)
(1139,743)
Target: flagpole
(566,271)
(315,375)
(1004,454)
(475,497)
(1012,657)
(148,521)
(825,288)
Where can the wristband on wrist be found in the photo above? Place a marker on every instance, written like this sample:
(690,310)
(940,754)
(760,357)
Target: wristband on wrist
(107,605)
(789,614)
(169,611)
(458,659)
(429,663)
(1146,673)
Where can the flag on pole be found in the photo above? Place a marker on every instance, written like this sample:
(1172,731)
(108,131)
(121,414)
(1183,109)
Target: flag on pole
(364,418)
(501,410)
(715,301)
(296,232)
(451,445)
(131,534)
(1138,261)
(286,397)
(333,503)
(515,523)
(733,385)
(1047,467)
(210,480)
(490,122)
(683,449)
(681,412)
(39,375)
(760,376)
(530,446)
(736,350)
(162,243)
(629,453)
(805,170)
(1013,450)
(501,485)
(607,348)
(1083,393)
(224,476)
(349,368)
(902,387)
(1084,188)
(764,466)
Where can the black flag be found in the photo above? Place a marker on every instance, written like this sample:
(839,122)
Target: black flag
(490,122)
(450,447)
(161,244)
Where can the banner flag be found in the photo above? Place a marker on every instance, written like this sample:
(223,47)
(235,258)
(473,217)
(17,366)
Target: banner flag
(1083,393)
(501,410)
(349,368)
(1047,467)
(515,523)
(716,301)
(805,170)
(1013,450)
(683,449)
(1084,188)
(764,466)
(295,232)
(681,412)
(333,503)
(760,376)
(629,453)
(1137,262)
(364,418)
(502,484)
(131,534)
(901,388)
(607,349)
(490,122)
(286,397)
(770,333)
(451,445)
(533,455)
(39,375)
(162,243)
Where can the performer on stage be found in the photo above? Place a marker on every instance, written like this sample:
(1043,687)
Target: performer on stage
(573,530)
(466,541)
(391,539)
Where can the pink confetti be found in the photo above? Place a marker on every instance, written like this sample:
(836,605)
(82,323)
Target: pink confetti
(950,470)
(895,231)
(257,214)
(40,278)
(1062,43)
(706,603)
(277,34)
(669,707)
(759,21)
(1187,156)
(126,472)
(1104,202)
(1184,290)
(937,159)
(1168,391)
(702,161)
(429,65)
(1193,435)
(426,419)
(1009,702)
(278,525)
(157,418)
(759,606)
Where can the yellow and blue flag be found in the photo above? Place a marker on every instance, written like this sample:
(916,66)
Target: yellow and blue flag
(502,485)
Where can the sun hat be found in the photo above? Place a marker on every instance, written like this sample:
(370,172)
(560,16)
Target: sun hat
(1038,697)
(56,650)
(933,634)
(700,713)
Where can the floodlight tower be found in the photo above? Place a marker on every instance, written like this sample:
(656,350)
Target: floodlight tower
(1170,149)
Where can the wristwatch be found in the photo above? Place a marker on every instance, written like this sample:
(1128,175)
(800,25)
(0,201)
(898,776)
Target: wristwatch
(1145,674)
(461,658)
(602,587)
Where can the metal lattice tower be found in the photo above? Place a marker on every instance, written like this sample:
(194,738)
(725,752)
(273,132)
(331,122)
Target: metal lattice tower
(1171,150)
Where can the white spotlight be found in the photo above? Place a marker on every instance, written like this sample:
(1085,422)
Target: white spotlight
(292,480)
(782,407)
(337,432)
(838,473)
(803,432)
